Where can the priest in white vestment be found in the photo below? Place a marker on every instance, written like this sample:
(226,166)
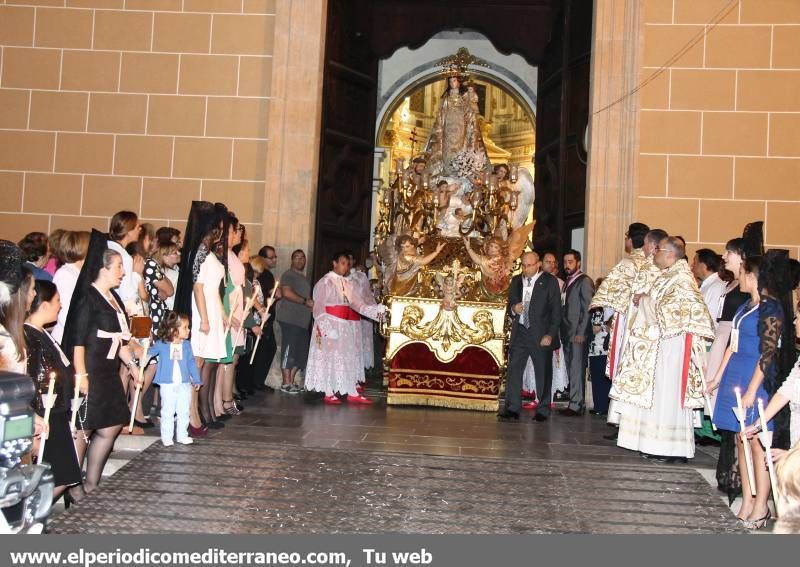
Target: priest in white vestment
(632,275)
(659,382)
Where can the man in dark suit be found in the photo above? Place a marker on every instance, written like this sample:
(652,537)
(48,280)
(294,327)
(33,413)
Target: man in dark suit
(534,302)
(579,290)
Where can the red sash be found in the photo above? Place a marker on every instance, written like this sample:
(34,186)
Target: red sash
(343,312)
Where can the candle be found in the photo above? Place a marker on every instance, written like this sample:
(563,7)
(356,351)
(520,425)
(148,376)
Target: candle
(270,301)
(142,365)
(761,415)
(748,456)
(766,440)
(48,404)
(76,395)
(247,307)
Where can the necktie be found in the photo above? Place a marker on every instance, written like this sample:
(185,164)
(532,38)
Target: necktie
(526,301)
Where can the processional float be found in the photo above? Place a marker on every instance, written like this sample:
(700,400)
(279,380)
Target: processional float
(449,234)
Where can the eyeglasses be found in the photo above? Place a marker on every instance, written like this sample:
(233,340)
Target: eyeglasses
(271,257)
(663,250)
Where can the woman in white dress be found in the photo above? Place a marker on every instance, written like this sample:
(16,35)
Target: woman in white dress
(208,323)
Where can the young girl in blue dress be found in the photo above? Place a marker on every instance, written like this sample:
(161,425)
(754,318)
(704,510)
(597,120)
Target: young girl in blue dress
(749,365)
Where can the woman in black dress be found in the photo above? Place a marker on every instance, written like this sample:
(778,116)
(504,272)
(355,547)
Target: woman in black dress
(45,357)
(98,334)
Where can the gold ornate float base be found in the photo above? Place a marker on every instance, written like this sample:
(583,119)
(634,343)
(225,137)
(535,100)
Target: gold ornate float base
(442,357)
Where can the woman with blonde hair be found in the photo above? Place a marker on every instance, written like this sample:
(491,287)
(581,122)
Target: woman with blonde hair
(788,497)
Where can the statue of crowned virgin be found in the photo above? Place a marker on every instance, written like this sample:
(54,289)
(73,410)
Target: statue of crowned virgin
(455,146)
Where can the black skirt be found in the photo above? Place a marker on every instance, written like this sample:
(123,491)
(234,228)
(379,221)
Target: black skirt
(59,451)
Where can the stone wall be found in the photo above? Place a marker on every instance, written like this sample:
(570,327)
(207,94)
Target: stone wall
(132,104)
(720,129)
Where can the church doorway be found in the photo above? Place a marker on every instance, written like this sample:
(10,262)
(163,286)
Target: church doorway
(554,36)
(505,119)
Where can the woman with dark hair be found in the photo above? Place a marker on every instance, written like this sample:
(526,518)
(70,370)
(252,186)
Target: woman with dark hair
(233,302)
(97,336)
(36,253)
(16,296)
(200,223)
(46,359)
(123,230)
(736,250)
(750,367)
(208,322)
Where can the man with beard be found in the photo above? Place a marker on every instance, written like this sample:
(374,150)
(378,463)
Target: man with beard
(574,325)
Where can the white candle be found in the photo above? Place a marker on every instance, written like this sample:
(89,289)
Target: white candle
(76,395)
(766,440)
(761,415)
(142,365)
(748,457)
(48,404)
(270,301)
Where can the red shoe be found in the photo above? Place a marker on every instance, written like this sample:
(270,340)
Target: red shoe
(528,395)
(359,399)
(201,431)
(360,389)
(332,400)
(530,405)
(552,405)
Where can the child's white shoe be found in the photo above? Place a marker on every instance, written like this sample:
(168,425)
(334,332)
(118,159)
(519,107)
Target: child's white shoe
(167,443)
(187,441)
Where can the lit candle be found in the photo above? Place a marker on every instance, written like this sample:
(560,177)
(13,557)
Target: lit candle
(48,404)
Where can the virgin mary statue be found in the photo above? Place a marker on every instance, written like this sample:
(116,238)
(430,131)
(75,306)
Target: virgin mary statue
(455,147)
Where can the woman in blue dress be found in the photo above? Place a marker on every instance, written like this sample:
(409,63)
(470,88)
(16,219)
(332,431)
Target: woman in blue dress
(749,365)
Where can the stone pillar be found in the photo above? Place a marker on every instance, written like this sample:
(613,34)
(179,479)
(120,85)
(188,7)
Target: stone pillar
(295,117)
(613,132)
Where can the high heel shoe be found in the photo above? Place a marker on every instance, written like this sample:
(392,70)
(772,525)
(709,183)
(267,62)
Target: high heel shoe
(229,407)
(756,525)
(69,499)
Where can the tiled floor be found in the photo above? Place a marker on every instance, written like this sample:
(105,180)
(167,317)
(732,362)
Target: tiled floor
(294,465)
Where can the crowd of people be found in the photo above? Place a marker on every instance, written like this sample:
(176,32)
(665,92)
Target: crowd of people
(680,352)
(136,318)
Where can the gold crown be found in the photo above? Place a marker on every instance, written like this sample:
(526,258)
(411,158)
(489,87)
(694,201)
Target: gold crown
(458,64)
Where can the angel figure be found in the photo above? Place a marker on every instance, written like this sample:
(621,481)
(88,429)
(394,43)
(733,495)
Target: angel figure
(521,189)
(497,261)
(403,263)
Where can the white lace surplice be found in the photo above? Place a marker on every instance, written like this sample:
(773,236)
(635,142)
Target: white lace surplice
(335,361)
(360,282)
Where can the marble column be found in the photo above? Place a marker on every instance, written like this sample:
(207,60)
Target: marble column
(295,116)
(613,131)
